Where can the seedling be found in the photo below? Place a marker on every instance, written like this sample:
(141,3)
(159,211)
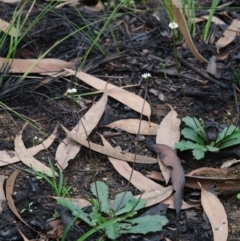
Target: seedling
(200,141)
(59,187)
(117,219)
(29,209)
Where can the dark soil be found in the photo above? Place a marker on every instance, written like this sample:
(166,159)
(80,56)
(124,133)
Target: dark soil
(133,44)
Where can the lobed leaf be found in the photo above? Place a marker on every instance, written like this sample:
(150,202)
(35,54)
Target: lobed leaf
(100,190)
(121,200)
(76,210)
(133,204)
(146,224)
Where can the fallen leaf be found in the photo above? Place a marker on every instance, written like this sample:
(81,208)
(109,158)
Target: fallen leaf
(229,163)
(214,19)
(168,132)
(7,158)
(224,185)
(8,29)
(35,65)
(212,67)
(68,148)
(229,34)
(109,152)
(10,1)
(175,9)
(27,159)
(216,215)
(57,230)
(9,193)
(132,125)
(170,159)
(138,180)
(157,93)
(2,194)
(23,236)
(135,102)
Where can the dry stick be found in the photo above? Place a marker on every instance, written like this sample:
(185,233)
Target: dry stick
(135,154)
(198,71)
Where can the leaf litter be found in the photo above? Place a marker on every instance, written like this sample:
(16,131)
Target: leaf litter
(69,148)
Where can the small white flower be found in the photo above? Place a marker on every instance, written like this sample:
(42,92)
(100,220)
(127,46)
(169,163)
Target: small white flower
(173,25)
(146,75)
(35,138)
(71,91)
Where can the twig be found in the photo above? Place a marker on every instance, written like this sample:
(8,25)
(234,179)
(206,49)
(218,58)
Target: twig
(198,71)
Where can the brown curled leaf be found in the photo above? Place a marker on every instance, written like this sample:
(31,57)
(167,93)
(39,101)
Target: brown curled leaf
(170,159)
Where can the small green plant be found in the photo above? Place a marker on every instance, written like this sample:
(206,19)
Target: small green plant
(200,141)
(29,209)
(59,187)
(117,219)
(238,196)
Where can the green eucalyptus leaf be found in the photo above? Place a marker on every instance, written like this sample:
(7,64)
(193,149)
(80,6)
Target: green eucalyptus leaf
(121,200)
(146,224)
(190,134)
(76,210)
(100,190)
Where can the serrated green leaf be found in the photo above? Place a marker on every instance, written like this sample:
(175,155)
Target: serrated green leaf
(227,131)
(196,126)
(76,210)
(146,224)
(112,231)
(198,153)
(100,190)
(190,134)
(121,200)
(133,204)
(188,145)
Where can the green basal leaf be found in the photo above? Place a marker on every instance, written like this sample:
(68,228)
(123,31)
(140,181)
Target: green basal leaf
(188,145)
(100,190)
(121,200)
(212,148)
(146,224)
(234,135)
(112,231)
(198,153)
(76,210)
(133,204)
(228,131)
(230,143)
(190,134)
(196,126)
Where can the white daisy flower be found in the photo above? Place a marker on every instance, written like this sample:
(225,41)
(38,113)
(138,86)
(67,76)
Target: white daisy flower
(173,25)
(146,75)
(71,91)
